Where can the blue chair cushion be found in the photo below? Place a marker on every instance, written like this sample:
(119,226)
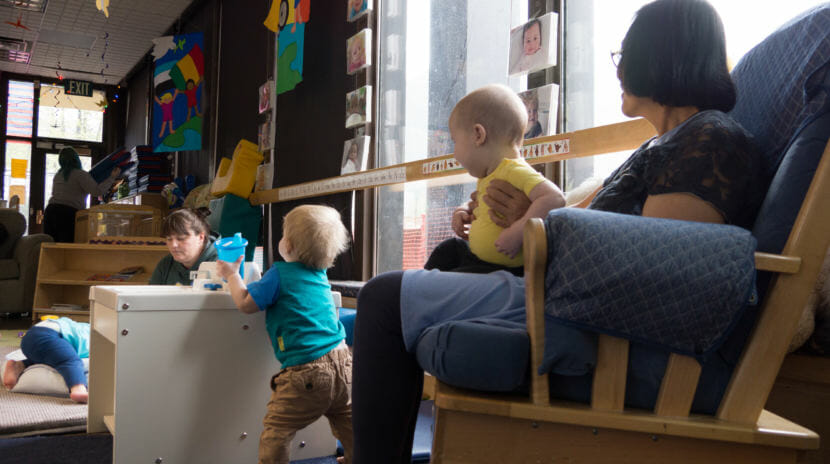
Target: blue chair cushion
(677,285)
(779,83)
(347,316)
(489,355)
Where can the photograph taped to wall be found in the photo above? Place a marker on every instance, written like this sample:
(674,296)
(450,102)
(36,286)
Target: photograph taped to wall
(542,105)
(358,107)
(533,45)
(358,51)
(264,134)
(357,9)
(355,154)
(266,90)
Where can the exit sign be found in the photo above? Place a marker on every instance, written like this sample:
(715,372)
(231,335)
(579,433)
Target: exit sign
(81,88)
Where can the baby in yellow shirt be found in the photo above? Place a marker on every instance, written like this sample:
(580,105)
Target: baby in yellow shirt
(487,127)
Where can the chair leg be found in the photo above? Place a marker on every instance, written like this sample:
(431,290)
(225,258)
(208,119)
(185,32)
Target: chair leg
(462,437)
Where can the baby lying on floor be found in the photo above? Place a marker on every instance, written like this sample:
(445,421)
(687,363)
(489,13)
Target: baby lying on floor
(58,343)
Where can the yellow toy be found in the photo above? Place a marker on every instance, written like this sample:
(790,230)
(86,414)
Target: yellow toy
(237,176)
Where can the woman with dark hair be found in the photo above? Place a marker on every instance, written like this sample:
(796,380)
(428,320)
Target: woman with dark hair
(188,238)
(70,186)
(701,166)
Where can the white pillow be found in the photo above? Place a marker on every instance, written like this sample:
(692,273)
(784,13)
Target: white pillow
(40,379)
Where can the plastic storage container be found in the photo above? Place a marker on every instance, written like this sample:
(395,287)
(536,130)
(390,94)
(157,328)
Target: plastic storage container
(237,176)
(113,220)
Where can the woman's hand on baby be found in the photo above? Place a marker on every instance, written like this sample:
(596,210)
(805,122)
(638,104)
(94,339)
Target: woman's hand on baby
(510,241)
(507,203)
(226,269)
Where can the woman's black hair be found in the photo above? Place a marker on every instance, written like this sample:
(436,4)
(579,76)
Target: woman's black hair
(68,160)
(528,25)
(675,53)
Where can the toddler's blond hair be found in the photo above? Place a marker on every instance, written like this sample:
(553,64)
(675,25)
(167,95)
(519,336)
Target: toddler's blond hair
(497,108)
(316,234)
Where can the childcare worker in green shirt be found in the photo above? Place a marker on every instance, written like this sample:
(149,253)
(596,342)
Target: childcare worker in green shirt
(188,239)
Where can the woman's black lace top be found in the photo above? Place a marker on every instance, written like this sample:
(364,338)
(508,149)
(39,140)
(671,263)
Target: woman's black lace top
(709,155)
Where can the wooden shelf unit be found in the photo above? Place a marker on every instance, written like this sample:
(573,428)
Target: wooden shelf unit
(64,268)
(145,199)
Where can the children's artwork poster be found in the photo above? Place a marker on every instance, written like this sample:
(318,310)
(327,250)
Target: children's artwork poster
(357,9)
(358,48)
(266,90)
(19,190)
(264,135)
(285,12)
(537,150)
(19,168)
(359,107)
(178,82)
(355,155)
(542,104)
(533,44)
(288,18)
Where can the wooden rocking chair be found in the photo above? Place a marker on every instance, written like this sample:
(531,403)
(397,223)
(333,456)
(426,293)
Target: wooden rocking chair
(480,428)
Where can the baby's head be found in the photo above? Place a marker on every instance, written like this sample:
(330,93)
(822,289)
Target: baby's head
(532,37)
(353,152)
(313,235)
(356,50)
(489,121)
(531,102)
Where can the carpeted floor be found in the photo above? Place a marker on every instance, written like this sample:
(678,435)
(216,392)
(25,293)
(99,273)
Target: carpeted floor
(10,339)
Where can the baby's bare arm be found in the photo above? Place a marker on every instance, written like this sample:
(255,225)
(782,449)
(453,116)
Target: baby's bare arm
(239,291)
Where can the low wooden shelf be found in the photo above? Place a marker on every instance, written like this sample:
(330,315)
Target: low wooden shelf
(64,268)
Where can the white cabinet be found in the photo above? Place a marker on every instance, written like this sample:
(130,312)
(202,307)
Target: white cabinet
(180,375)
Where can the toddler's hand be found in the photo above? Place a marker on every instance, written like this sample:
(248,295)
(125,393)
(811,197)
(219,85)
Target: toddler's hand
(510,241)
(226,269)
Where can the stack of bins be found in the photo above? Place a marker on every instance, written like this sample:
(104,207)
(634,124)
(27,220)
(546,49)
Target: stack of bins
(149,171)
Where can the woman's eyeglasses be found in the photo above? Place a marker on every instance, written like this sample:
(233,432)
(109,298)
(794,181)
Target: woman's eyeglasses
(615,57)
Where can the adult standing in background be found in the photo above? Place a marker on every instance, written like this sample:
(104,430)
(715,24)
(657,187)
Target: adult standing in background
(70,186)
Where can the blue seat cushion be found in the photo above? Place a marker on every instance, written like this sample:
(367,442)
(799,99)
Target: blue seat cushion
(779,83)
(347,316)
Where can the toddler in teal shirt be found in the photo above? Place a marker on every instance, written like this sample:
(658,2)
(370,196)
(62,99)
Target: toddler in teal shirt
(307,337)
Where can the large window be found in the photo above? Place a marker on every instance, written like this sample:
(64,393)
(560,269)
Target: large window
(432,53)
(72,117)
(595,28)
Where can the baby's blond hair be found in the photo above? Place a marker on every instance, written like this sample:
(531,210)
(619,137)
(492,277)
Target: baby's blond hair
(316,234)
(497,108)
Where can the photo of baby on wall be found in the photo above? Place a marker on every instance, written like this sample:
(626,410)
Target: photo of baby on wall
(265,92)
(358,107)
(264,140)
(357,8)
(355,154)
(533,44)
(358,51)
(542,105)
